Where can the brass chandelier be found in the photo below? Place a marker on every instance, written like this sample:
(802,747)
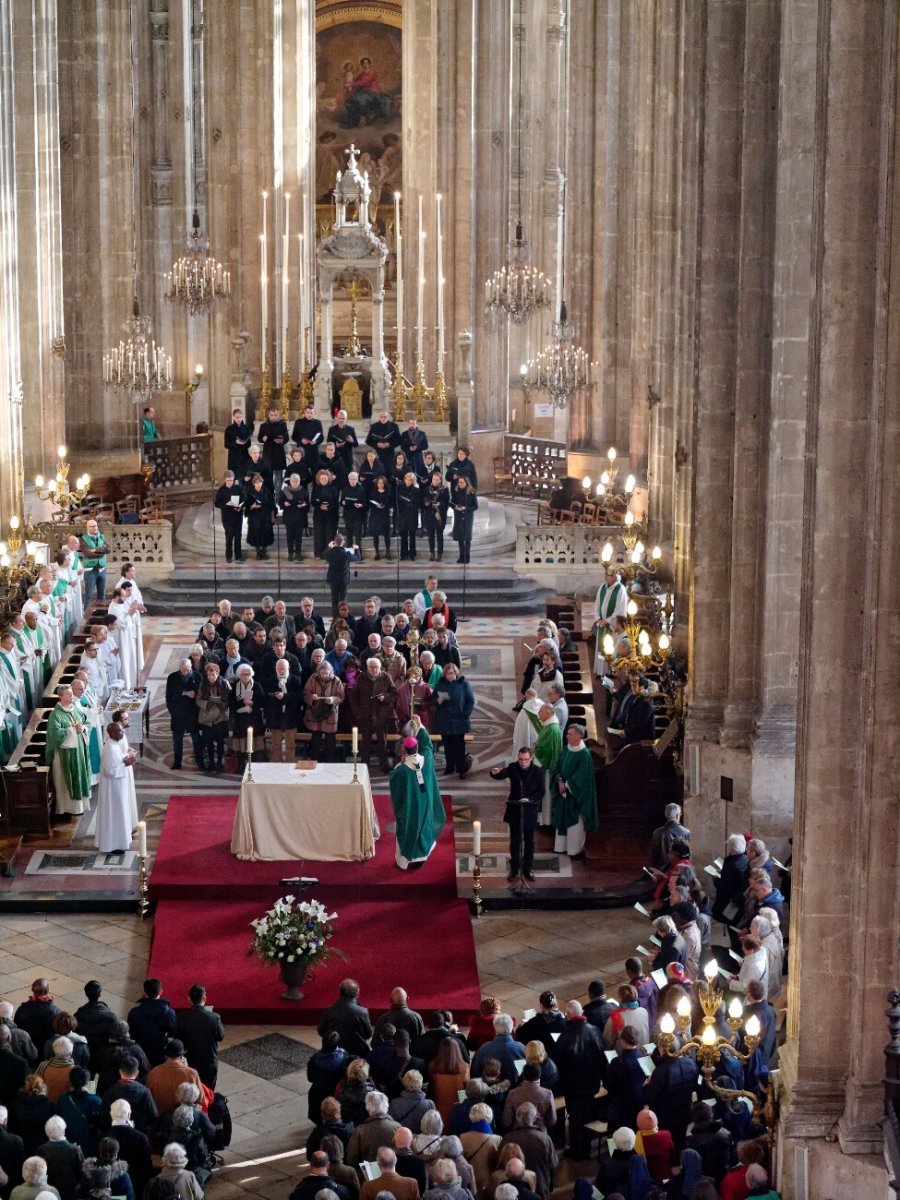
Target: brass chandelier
(197,280)
(561,369)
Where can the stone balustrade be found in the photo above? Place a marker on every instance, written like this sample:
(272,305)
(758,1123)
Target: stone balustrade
(148,546)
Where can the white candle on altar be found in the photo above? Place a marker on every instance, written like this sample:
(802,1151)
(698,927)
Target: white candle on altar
(263,279)
(420,310)
(285,253)
(301,309)
(142,839)
(355,735)
(398,243)
(476,838)
(440,284)
(250,742)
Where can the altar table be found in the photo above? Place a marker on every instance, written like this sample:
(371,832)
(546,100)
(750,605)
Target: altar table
(318,814)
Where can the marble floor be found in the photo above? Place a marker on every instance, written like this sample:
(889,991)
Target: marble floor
(517,957)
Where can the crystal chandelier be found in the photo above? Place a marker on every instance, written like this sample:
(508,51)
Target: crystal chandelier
(562,368)
(137,365)
(197,280)
(518,290)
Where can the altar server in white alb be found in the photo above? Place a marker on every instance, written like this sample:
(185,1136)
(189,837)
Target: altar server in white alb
(129,580)
(611,602)
(122,607)
(114,812)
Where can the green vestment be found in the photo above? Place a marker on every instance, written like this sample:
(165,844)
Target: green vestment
(576,769)
(74,761)
(417,804)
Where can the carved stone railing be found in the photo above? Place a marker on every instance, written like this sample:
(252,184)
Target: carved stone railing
(148,546)
(565,557)
(180,461)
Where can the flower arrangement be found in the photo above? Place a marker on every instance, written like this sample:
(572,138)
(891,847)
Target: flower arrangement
(294,932)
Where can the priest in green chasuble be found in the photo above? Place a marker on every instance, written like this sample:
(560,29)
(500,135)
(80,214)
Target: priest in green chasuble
(67,754)
(574,795)
(416,801)
(547,750)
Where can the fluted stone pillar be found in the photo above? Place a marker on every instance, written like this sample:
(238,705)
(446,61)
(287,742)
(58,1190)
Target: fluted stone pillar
(845,920)
(11,477)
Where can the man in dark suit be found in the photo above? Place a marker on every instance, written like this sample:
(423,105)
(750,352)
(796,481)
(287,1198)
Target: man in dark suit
(308,614)
(35,1015)
(273,437)
(349,1019)
(344,438)
(308,435)
(526,791)
(144,1112)
(318,1180)
(95,1018)
(13,1069)
(152,1021)
(384,438)
(758,1006)
(201,1030)
(182,687)
(579,1056)
(414,443)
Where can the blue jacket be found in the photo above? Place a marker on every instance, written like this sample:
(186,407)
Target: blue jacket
(506,1050)
(452,714)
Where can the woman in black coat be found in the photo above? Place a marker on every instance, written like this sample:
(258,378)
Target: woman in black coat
(369,470)
(354,502)
(295,510)
(435,502)
(462,465)
(464,503)
(260,509)
(408,500)
(380,511)
(248,711)
(325,503)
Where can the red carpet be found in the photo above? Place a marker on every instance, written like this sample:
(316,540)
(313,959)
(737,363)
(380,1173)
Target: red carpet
(194,861)
(396,927)
(424,945)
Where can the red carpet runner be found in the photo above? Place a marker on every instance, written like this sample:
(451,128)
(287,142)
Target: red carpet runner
(396,928)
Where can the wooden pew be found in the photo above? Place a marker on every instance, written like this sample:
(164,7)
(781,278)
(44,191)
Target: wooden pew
(27,779)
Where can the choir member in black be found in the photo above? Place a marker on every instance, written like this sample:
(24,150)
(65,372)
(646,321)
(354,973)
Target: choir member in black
(247,705)
(229,500)
(273,437)
(284,699)
(255,466)
(238,436)
(259,505)
(308,434)
(384,438)
(344,438)
(464,502)
(295,510)
(429,466)
(338,556)
(435,502)
(380,512)
(462,465)
(408,515)
(369,469)
(297,465)
(331,461)
(354,503)
(414,443)
(526,793)
(325,503)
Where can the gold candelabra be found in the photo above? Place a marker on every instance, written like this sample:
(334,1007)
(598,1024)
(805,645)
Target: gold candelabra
(708,1045)
(306,387)
(641,654)
(265,389)
(353,349)
(191,385)
(419,393)
(439,395)
(635,559)
(143,890)
(476,884)
(398,393)
(58,491)
(287,388)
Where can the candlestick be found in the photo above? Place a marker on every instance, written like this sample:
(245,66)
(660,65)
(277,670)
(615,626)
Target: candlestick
(440,285)
(355,739)
(142,839)
(263,277)
(420,312)
(476,837)
(476,883)
(301,301)
(285,253)
(398,236)
(250,743)
(143,890)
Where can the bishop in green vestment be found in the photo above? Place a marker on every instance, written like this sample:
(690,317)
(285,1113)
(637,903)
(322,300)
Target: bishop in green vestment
(67,755)
(547,751)
(416,801)
(574,795)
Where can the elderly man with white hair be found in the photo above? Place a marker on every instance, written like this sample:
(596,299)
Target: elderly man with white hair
(64,1159)
(34,1181)
(175,1169)
(666,835)
(537,1148)
(733,879)
(766,926)
(377,1130)
(502,1046)
(19,1039)
(55,1071)
(134,1146)
(757,1181)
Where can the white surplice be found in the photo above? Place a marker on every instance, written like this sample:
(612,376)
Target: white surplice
(113,831)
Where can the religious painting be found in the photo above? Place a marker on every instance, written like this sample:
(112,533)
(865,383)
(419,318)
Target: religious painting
(358,98)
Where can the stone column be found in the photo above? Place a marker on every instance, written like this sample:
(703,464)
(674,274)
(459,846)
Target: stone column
(11,475)
(845,919)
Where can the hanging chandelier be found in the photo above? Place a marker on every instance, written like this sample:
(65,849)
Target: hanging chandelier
(197,280)
(518,289)
(562,368)
(137,365)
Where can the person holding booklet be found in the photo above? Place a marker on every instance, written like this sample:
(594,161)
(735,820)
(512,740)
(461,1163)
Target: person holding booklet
(229,500)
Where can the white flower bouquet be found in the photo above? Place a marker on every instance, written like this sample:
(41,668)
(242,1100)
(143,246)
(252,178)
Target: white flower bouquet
(294,932)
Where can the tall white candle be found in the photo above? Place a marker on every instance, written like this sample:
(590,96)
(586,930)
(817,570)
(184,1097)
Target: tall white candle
(142,839)
(476,838)
(263,279)
(285,253)
(420,309)
(440,284)
(301,302)
(355,733)
(398,242)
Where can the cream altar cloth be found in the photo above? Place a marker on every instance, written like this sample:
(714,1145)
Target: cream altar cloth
(319,814)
